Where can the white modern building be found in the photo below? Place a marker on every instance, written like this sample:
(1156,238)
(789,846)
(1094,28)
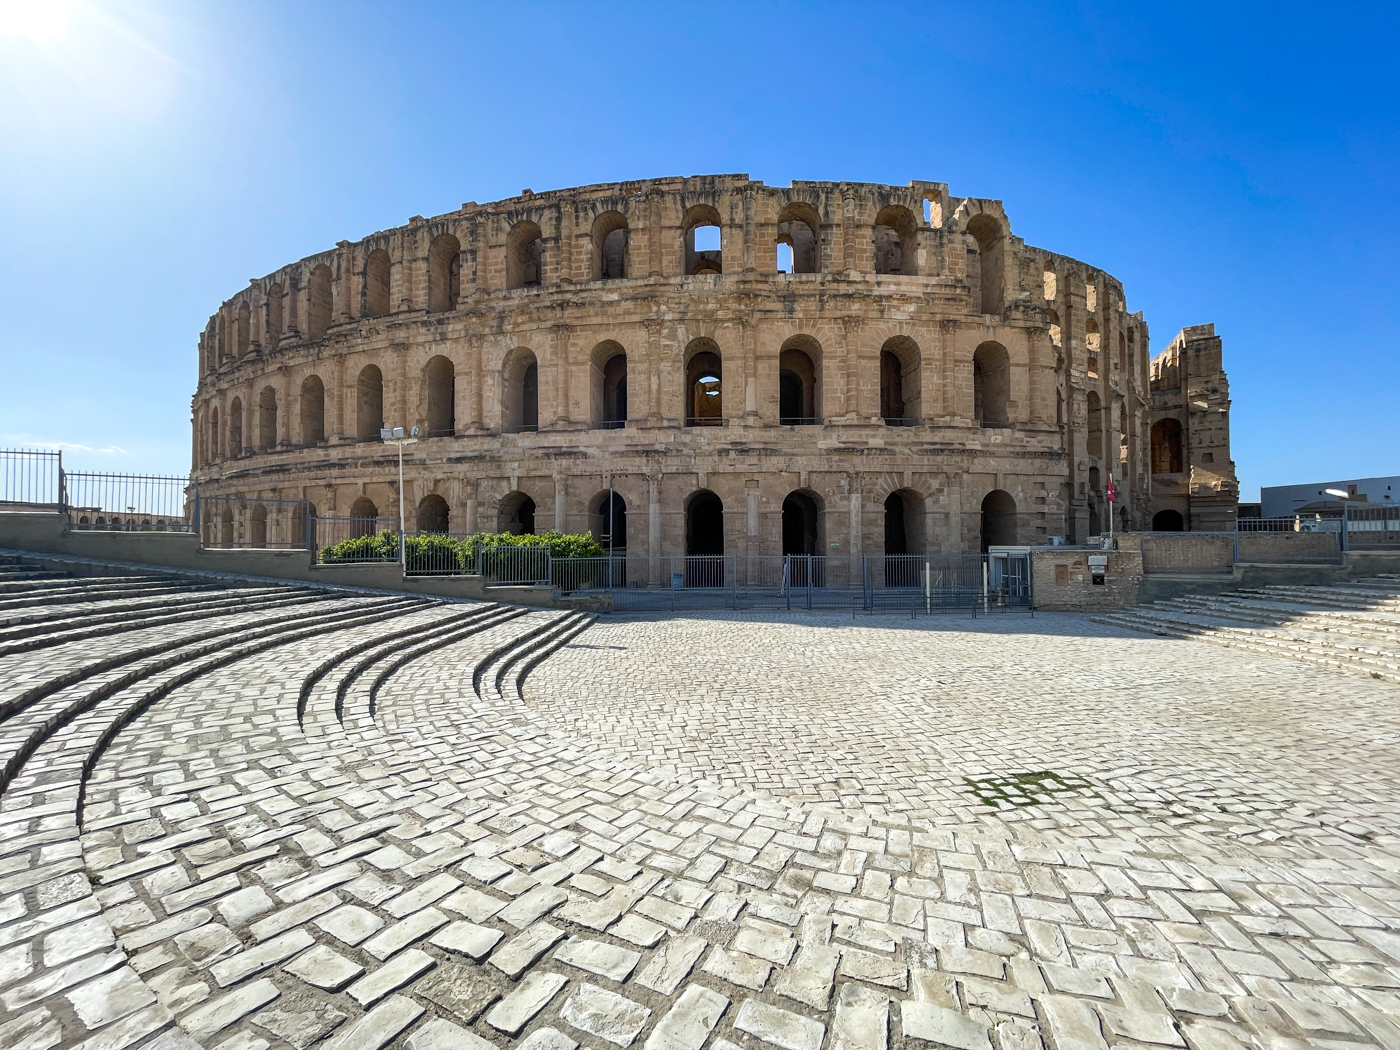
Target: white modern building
(1282,500)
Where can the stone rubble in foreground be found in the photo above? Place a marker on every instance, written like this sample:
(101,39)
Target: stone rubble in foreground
(252,830)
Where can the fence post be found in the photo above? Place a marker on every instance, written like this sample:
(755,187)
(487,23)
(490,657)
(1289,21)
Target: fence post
(1236,557)
(1342,535)
(306,517)
(194,517)
(62,486)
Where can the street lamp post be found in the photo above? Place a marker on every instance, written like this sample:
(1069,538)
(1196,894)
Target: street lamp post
(395,436)
(1342,495)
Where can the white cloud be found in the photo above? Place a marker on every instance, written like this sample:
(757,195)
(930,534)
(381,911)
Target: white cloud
(29,441)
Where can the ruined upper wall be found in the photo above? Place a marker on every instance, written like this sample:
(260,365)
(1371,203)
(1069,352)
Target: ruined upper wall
(914,237)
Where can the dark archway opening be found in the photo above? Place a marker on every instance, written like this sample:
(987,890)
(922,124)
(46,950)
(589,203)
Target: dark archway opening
(998,520)
(432,514)
(1168,521)
(517,515)
(896,528)
(611,523)
(704,541)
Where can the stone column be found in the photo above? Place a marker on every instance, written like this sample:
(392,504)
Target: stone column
(652,389)
(346,285)
(469,488)
(561,375)
(654,519)
(748,229)
(751,503)
(857,537)
(559,502)
(850,380)
(848,228)
(747,339)
(655,237)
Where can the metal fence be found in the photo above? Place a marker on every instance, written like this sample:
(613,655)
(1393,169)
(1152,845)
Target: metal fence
(228,522)
(127,502)
(31,478)
(1372,528)
(347,540)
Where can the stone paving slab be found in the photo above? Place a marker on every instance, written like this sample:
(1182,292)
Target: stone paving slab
(718,831)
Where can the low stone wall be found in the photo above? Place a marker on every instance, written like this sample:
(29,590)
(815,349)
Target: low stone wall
(1189,552)
(47,533)
(1064,582)
(1289,548)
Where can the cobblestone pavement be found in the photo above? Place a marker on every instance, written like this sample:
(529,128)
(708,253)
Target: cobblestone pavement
(723,830)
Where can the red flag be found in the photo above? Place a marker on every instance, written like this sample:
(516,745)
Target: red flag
(1112,492)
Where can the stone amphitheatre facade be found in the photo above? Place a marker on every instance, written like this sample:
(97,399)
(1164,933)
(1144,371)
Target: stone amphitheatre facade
(726,366)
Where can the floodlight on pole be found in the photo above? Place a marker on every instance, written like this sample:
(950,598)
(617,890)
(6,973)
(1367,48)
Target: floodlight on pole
(395,435)
(1338,493)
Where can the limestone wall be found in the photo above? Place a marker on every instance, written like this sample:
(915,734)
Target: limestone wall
(928,355)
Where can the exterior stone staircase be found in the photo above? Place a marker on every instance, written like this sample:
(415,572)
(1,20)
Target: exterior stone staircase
(1351,627)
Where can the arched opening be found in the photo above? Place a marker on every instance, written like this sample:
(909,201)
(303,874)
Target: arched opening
(704,525)
(524,259)
(608,385)
(1092,344)
(1168,521)
(241,329)
(313,410)
(214,433)
(896,241)
(704,376)
(1053,320)
(609,246)
(904,522)
(900,399)
(444,273)
(432,513)
(799,230)
(267,418)
(1095,408)
(225,526)
(235,428)
(369,403)
(991,384)
(1095,518)
(318,302)
(704,241)
(440,390)
(275,326)
(998,520)
(377,283)
(986,264)
(1051,281)
(608,522)
(1123,441)
(516,515)
(799,394)
(802,524)
(257,526)
(1166,447)
(520,389)
(366,517)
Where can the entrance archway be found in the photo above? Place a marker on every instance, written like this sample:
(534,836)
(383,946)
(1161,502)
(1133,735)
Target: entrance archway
(704,524)
(516,515)
(998,519)
(1168,521)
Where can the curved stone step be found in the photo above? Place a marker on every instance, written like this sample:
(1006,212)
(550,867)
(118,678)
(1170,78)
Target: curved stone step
(101,625)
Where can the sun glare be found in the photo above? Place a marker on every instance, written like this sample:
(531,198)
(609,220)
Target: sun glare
(37,20)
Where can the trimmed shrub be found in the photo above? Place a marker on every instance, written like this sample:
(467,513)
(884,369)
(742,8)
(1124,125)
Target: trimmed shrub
(380,546)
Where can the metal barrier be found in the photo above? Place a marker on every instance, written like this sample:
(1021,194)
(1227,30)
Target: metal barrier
(229,522)
(128,502)
(1371,528)
(31,478)
(515,564)
(927,583)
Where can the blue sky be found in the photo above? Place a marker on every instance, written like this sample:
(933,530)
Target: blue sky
(1228,163)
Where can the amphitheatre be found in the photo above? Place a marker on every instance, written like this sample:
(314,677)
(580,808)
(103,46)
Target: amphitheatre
(931,693)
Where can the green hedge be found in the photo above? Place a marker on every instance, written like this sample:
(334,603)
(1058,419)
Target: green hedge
(435,552)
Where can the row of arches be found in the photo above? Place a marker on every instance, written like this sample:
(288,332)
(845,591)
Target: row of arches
(803,520)
(797,248)
(799,393)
